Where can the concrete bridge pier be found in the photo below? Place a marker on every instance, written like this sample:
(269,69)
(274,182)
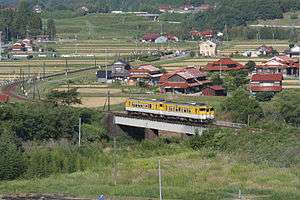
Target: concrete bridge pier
(151,133)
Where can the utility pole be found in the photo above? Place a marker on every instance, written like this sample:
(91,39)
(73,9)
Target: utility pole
(220,68)
(79,132)
(248,121)
(160,181)
(29,70)
(115,157)
(106,76)
(0,45)
(299,65)
(44,69)
(108,101)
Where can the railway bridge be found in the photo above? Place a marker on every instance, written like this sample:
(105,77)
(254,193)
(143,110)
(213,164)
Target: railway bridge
(153,126)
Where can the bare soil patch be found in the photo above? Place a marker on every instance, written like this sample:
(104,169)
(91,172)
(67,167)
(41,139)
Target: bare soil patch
(94,102)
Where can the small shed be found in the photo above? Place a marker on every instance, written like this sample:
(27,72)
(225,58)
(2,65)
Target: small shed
(120,70)
(101,76)
(215,90)
(161,39)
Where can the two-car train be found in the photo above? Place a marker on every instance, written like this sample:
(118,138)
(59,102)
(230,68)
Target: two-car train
(192,112)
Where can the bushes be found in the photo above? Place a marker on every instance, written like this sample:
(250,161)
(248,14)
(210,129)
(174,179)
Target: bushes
(276,147)
(241,106)
(284,106)
(91,133)
(43,121)
(264,96)
(62,158)
(294,16)
(11,159)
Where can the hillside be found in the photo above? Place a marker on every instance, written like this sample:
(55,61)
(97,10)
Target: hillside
(97,26)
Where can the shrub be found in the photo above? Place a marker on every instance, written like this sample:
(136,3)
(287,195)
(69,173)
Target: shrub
(264,96)
(200,141)
(241,106)
(294,16)
(11,158)
(42,162)
(92,133)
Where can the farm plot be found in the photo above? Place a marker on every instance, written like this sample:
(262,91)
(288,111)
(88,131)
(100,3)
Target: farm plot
(94,102)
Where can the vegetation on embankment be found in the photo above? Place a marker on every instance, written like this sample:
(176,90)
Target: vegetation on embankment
(215,166)
(40,154)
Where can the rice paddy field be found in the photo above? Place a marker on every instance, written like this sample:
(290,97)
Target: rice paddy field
(102,38)
(187,173)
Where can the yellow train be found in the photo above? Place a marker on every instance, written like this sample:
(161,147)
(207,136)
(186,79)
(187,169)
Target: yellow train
(194,112)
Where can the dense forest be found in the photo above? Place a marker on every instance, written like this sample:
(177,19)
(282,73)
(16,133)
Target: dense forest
(238,12)
(228,13)
(23,22)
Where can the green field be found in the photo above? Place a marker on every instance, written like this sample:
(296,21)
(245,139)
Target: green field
(286,21)
(187,174)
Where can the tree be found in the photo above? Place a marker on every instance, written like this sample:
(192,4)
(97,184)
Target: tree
(236,79)
(217,80)
(285,106)
(35,25)
(12,163)
(21,19)
(264,96)
(51,28)
(250,66)
(64,97)
(241,106)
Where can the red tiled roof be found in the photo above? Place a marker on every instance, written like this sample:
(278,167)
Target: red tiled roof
(165,7)
(186,73)
(267,77)
(150,68)
(224,65)
(170,36)
(151,36)
(255,88)
(183,84)
(217,87)
(206,33)
(272,66)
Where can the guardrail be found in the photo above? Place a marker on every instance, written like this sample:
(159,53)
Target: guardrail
(230,124)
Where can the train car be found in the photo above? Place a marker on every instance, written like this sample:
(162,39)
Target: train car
(193,112)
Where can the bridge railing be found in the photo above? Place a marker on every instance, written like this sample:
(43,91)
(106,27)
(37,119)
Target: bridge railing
(230,124)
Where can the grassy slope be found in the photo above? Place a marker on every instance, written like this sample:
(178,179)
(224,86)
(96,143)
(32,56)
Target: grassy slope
(99,26)
(187,174)
(286,21)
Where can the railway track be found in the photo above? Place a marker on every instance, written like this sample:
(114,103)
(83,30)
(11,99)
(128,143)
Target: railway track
(9,88)
(160,119)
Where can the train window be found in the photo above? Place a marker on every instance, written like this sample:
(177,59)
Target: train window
(150,106)
(202,109)
(161,105)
